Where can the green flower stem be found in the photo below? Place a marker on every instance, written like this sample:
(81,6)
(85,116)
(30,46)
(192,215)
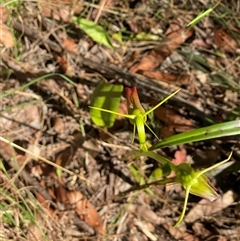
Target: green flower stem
(146,185)
(162,160)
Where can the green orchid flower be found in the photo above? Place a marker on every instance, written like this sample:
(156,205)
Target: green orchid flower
(137,114)
(196,183)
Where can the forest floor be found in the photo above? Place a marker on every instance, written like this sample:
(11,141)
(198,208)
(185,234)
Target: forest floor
(64,178)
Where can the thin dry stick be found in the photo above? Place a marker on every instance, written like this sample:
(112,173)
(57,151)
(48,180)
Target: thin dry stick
(41,158)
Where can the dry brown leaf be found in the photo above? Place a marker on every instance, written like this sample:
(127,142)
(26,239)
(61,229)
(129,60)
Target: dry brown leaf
(45,203)
(70,45)
(6,37)
(225,41)
(65,65)
(3,15)
(58,124)
(175,39)
(221,238)
(166,131)
(171,118)
(7,152)
(158,54)
(172,122)
(178,234)
(206,208)
(148,62)
(84,208)
(200,43)
(86,211)
(169,78)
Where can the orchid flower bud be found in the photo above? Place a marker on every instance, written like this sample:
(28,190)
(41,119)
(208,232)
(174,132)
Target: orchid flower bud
(133,102)
(135,108)
(140,115)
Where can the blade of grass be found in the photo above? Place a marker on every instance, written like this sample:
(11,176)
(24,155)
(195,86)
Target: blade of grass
(230,128)
(5,94)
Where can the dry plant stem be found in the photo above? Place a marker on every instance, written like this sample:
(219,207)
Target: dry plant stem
(82,225)
(28,179)
(28,158)
(40,158)
(102,4)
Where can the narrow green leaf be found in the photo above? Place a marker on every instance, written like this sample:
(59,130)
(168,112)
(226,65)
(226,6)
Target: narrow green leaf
(202,15)
(105,96)
(140,179)
(93,30)
(230,128)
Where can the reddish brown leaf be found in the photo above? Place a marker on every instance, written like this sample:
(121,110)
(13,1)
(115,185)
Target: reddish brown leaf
(175,39)
(200,230)
(70,45)
(169,78)
(3,15)
(66,66)
(150,61)
(83,207)
(45,203)
(6,37)
(225,41)
(200,43)
(158,54)
(166,131)
(172,121)
(86,211)
(170,117)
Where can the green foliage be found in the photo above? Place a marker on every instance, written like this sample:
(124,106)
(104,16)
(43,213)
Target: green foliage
(94,31)
(230,128)
(105,96)
(159,173)
(13,3)
(194,182)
